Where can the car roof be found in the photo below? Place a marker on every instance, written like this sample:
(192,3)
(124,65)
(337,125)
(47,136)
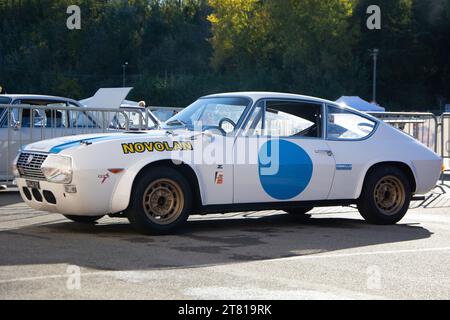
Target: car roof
(39,97)
(256,95)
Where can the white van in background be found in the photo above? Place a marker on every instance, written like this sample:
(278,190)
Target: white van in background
(29,118)
(23,125)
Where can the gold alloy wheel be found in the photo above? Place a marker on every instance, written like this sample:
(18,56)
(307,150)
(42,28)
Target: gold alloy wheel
(389,195)
(163,201)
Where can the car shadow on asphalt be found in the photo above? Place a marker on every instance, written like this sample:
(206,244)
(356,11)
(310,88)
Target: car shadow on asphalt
(9,198)
(114,245)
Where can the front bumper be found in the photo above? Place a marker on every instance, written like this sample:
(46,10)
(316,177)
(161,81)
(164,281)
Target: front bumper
(91,199)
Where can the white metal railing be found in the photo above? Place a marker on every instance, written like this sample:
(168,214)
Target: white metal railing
(444,141)
(24,124)
(431,130)
(423,126)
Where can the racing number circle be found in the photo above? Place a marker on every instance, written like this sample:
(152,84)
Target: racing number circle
(285,169)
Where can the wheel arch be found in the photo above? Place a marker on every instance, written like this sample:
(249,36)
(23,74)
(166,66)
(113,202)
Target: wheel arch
(124,189)
(184,169)
(405,168)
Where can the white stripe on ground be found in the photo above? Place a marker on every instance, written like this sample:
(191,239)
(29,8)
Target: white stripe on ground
(355,254)
(308,257)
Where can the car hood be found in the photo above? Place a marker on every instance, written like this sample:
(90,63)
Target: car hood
(63,143)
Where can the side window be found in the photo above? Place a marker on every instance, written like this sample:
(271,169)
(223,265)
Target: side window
(32,118)
(345,125)
(56,118)
(27,117)
(287,119)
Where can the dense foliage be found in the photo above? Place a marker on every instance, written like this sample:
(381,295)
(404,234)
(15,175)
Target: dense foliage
(178,50)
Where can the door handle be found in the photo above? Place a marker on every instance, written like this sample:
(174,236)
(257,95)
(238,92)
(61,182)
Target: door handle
(327,152)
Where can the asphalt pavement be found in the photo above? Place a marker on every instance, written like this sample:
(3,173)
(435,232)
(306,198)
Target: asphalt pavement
(256,255)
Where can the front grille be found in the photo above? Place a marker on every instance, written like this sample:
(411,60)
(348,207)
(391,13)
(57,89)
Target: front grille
(29,165)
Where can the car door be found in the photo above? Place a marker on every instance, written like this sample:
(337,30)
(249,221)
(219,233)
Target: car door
(214,147)
(348,136)
(281,154)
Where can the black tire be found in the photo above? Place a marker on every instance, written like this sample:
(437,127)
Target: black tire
(83,219)
(299,211)
(144,221)
(381,201)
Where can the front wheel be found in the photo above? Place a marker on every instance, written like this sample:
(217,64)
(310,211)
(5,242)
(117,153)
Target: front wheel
(385,197)
(161,202)
(83,219)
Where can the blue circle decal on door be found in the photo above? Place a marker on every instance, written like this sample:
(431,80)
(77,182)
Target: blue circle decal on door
(285,169)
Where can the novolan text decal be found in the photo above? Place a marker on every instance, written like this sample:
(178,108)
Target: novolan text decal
(142,147)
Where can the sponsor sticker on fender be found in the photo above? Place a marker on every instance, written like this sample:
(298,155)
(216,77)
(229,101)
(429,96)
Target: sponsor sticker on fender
(142,147)
(219,177)
(103,178)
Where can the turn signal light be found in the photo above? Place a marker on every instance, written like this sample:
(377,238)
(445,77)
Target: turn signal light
(70,189)
(116,170)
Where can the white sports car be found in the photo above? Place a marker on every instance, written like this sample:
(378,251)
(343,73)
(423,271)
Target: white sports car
(231,152)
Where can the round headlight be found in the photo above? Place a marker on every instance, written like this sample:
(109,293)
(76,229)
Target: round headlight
(58,169)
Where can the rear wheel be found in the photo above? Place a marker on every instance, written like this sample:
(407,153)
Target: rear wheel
(83,219)
(385,197)
(161,201)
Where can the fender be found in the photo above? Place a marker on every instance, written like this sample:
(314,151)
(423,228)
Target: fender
(363,175)
(121,194)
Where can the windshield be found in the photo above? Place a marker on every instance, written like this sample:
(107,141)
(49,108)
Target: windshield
(3,100)
(222,114)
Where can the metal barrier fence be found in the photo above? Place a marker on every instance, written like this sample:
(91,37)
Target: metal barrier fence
(421,125)
(444,144)
(24,124)
(432,131)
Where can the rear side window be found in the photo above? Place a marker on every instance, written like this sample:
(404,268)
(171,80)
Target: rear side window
(345,125)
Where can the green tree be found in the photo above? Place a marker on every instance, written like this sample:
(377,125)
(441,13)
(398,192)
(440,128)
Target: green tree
(300,46)
(181,49)
(314,43)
